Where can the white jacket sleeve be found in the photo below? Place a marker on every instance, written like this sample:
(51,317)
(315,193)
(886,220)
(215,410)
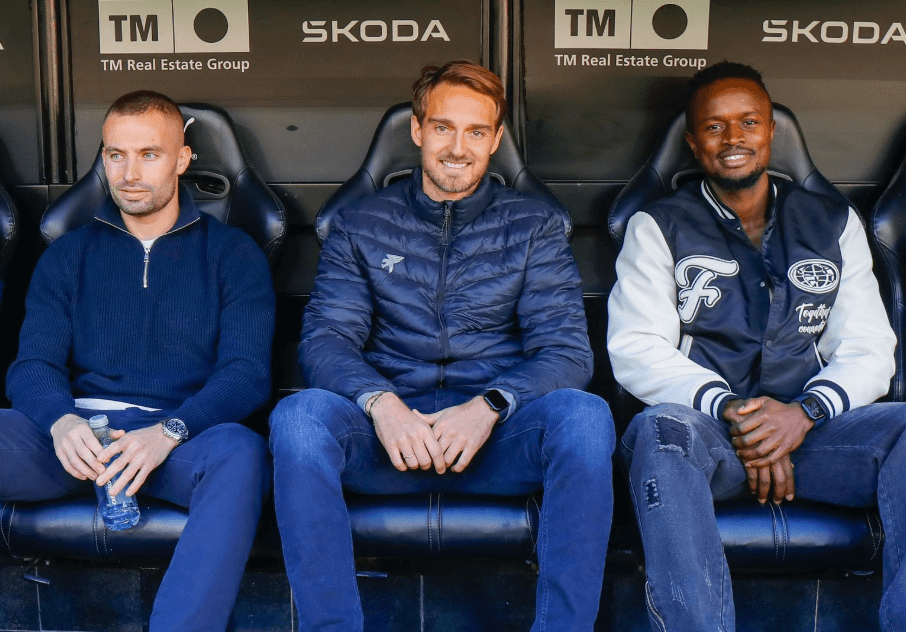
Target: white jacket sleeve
(858,342)
(643,332)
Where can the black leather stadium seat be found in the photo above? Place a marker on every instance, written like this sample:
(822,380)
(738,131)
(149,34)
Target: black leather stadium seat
(427,526)
(888,236)
(8,233)
(672,164)
(223,184)
(792,536)
(220,178)
(392,155)
(480,526)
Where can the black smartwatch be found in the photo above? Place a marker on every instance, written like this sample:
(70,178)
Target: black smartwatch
(496,400)
(813,409)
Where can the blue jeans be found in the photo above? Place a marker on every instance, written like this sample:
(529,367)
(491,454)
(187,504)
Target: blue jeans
(561,443)
(680,460)
(222,476)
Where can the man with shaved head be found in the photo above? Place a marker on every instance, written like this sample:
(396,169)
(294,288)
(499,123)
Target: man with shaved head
(747,315)
(161,318)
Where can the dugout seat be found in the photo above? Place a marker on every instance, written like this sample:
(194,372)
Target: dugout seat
(8,233)
(392,156)
(411,526)
(672,164)
(887,233)
(792,536)
(220,178)
(223,184)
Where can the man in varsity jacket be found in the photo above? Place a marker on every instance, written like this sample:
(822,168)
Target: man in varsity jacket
(160,317)
(747,316)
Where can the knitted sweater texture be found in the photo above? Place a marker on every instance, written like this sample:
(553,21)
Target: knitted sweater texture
(186,328)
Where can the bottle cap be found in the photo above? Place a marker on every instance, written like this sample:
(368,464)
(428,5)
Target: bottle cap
(98,421)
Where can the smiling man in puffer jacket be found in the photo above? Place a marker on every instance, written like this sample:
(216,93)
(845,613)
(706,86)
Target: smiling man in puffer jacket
(444,342)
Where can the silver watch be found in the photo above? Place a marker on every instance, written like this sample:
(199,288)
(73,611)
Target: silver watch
(175,429)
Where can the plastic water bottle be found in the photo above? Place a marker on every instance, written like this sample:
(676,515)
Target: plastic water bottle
(119,512)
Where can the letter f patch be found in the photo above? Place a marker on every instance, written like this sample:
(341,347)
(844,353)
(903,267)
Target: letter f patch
(695,291)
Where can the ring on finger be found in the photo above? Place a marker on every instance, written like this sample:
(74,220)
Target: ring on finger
(408,456)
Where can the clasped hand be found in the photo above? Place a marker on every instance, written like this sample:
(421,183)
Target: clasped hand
(765,432)
(449,438)
(82,456)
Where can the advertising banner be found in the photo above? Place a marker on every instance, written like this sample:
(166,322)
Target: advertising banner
(306,80)
(304,52)
(623,66)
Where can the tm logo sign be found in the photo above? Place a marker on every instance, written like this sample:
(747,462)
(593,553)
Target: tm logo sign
(638,24)
(173,26)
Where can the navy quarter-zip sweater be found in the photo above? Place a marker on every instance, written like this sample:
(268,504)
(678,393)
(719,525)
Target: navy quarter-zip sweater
(186,329)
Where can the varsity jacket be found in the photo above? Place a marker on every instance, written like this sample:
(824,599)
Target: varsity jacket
(699,316)
(414,295)
(186,327)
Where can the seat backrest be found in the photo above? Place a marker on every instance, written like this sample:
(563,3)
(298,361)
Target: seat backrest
(888,238)
(220,178)
(8,233)
(672,164)
(392,155)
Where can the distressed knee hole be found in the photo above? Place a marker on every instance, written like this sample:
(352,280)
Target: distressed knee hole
(652,497)
(672,435)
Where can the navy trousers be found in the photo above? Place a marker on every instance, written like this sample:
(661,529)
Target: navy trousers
(221,476)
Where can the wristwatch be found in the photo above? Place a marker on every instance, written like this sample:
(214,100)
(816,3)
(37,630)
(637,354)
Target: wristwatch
(496,400)
(175,429)
(812,409)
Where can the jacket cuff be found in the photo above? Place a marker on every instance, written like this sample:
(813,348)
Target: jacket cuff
(510,409)
(711,398)
(362,399)
(830,396)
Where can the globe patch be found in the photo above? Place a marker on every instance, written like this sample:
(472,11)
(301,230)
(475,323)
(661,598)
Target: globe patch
(816,276)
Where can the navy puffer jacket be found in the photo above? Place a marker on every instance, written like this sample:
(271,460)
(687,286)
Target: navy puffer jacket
(414,295)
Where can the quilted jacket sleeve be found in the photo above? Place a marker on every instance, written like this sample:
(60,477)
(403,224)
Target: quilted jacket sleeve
(551,317)
(337,323)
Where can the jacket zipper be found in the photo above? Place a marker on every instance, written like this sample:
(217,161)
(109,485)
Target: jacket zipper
(146,262)
(442,287)
(145,275)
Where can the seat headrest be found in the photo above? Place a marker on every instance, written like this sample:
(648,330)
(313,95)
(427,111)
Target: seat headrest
(392,155)
(672,164)
(220,178)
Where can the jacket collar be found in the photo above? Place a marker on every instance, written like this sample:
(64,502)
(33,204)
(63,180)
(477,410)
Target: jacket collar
(463,211)
(724,212)
(109,213)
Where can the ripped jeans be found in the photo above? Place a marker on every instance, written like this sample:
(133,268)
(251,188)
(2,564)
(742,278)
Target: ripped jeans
(679,461)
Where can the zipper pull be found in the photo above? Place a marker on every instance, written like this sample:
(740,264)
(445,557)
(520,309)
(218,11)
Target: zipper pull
(446,228)
(145,275)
